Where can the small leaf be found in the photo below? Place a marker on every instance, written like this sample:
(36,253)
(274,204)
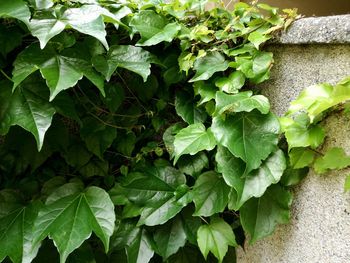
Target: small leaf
(193,165)
(335,159)
(170,237)
(210,194)
(27,108)
(16,9)
(187,110)
(139,249)
(192,140)
(215,238)
(169,138)
(259,216)
(301,157)
(129,57)
(347,184)
(257,38)
(205,90)
(293,176)
(69,217)
(250,136)
(243,101)
(232,84)
(206,66)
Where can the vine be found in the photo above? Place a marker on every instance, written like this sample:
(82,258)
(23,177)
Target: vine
(139,121)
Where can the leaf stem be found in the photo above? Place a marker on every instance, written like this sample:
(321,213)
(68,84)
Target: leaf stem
(204,220)
(5,75)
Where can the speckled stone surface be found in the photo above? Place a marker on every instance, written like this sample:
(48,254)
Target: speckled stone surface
(328,29)
(319,231)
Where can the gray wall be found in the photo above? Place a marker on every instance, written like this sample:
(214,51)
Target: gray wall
(314,50)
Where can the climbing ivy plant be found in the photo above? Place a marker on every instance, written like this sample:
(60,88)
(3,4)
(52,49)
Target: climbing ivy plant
(132,131)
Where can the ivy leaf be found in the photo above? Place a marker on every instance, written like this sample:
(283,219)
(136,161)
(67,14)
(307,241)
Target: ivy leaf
(16,223)
(205,90)
(347,184)
(205,67)
(129,57)
(334,159)
(170,237)
(243,101)
(139,250)
(293,176)
(169,138)
(61,71)
(257,38)
(187,110)
(259,216)
(256,182)
(299,133)
(215,238)
(233,83)
(301,157)
(250,136)
(193,165)
(16,9)
(69,217)
(10,39)
(153,28)
(210,194)
(192,140)
(156,190)
(26,107)
(97,136)
(42,4)
(318,98)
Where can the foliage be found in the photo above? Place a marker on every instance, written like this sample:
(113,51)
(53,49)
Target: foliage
(131,131)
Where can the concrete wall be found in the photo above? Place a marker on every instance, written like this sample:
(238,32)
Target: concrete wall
(314,50)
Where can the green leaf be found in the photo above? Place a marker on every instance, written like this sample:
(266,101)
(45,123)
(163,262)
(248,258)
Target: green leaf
(347,184)
(42,4)
(210,194)
(193,139)
(140,248)
(16,223)
(69,217)
(259,216)
(129,57)
(205,67)
(299,133)
(318,98)
(293,176)
(243,101)
(193,165)
(153,28)
(233,83)
(97,136)
(16,9)
(215,238)
(155,190)
(206,91)
(257,38)
(301,157)
(170,237)
(262,62)
(256,182)
(187,254)
(26,107)
(10,39)
(114,96)
(250,136)
(61,71)
(334,159)
(169,138)
(187,110)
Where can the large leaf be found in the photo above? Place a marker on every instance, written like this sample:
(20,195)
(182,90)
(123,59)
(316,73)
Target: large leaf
(186,108)
(16,223)
(129,57)
(210,194)
(61,71)
(318,98)
(205,67)
(139,250)
(243,101)
(192,140)
(26,107)
(233,83)
(256,182)
(158,190)
(215,238)
(69,217)
(259,216)
(153,28)
(335,159)
(87,19)
(16,9)
(193,165)
(170,237)
(250,136)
